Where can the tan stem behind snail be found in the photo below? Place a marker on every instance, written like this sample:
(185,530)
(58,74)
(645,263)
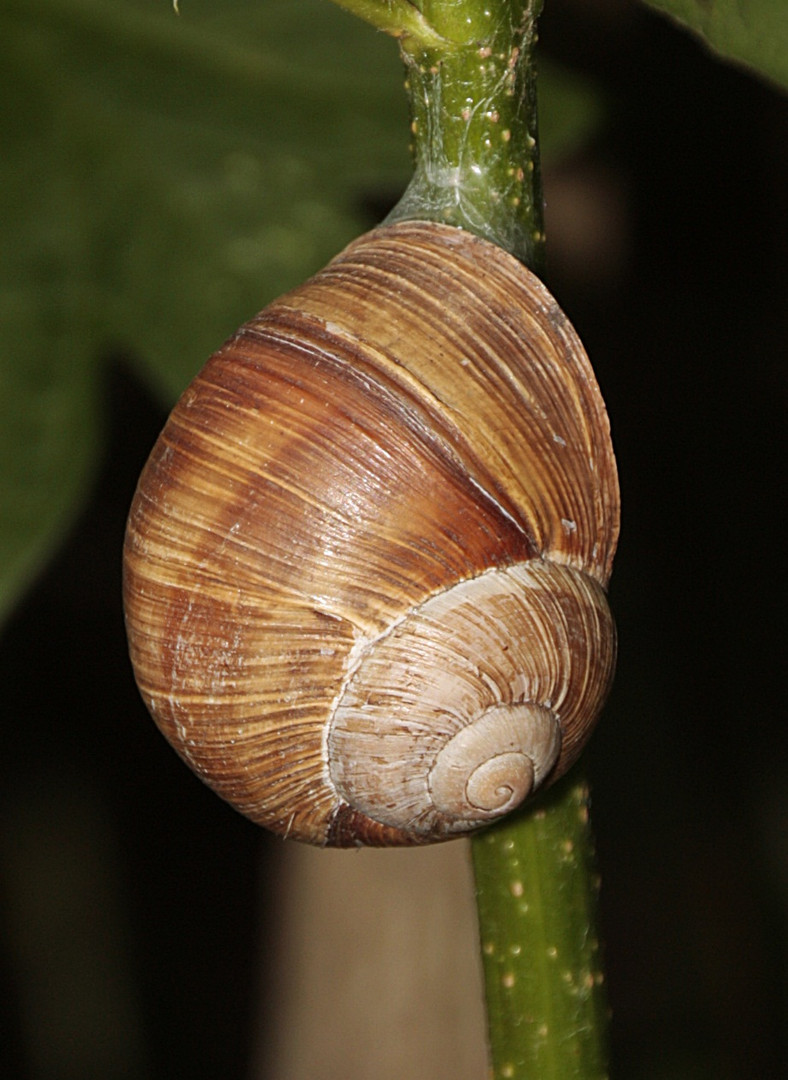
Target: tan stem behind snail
(386,509)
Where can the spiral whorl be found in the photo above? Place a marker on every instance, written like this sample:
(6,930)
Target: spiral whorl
(489,767)
(455,714)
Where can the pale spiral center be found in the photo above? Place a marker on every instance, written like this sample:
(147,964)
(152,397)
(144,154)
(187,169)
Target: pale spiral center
(490,766)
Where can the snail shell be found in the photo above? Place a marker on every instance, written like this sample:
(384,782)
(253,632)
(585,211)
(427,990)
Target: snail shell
(365,564)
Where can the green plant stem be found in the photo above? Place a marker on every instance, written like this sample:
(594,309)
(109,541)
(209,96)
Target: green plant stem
(536,893)
(475,149)
(476,154)
(473,107)
(471,83)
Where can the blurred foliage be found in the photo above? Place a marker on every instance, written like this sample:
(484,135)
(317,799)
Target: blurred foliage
(162,178)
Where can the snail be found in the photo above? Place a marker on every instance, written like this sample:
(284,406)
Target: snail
(366,561)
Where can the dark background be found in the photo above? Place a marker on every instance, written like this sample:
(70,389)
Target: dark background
(667,249)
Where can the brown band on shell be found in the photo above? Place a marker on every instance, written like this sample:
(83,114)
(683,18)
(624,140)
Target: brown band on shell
(349,828)
(463,305)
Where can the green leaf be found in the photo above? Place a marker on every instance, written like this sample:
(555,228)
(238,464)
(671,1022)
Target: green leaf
(753,32)
(161,179)
(48,418)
